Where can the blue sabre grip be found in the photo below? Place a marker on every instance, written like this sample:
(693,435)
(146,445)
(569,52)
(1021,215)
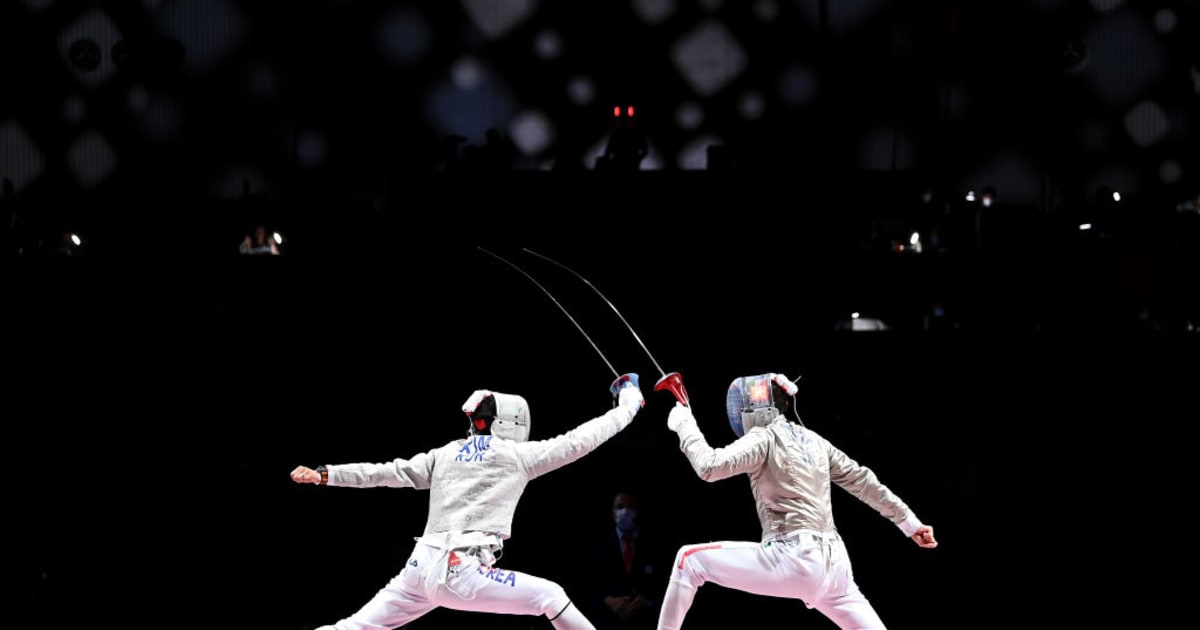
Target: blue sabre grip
(629,379)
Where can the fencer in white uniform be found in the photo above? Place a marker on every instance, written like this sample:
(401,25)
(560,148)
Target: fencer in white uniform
(474,486)
(792,470)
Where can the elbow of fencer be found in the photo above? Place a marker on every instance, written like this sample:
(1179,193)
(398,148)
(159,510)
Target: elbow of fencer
(706,473)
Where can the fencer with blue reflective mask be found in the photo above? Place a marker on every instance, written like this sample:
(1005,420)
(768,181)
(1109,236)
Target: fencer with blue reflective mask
(474,486)
(792,471)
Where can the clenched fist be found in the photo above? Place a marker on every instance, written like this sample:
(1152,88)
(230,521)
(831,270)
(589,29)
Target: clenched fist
(924,537)
(304,474)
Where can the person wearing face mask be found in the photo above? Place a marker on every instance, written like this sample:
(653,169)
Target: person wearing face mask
(625,570)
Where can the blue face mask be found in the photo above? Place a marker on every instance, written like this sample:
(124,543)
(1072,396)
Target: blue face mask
(625,518)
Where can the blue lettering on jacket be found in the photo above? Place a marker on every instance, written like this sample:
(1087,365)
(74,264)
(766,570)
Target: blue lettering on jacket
(472,450)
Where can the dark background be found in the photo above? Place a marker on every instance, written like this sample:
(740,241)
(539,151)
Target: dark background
(1030,397)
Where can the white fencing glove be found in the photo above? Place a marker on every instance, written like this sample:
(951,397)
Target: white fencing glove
(789,387)
(680,415)
(631,396)
(472,403)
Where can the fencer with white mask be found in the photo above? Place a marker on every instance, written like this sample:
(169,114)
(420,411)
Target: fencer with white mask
(792,471)
(474,487)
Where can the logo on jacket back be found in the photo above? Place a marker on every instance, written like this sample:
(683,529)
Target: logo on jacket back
(473,449)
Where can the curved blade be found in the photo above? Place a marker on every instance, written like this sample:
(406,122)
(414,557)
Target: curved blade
(610,305)
(560,306)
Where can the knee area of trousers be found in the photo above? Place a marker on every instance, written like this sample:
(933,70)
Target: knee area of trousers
(686,568)
(554,601)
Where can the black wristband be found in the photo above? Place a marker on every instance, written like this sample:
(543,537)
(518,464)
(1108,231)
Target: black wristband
(324,472)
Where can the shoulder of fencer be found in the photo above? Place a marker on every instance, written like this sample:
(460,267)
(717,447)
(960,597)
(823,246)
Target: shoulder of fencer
(782,427)
(591,424)
(453,446)
(775,425)
(757,434)
(810,433)
(538,443)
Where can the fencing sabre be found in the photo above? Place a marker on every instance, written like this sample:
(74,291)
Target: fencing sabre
(621,379)
(672,382)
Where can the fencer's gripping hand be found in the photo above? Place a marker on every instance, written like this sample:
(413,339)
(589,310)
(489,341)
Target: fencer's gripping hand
(304,474)
(680,416)
(629,394)
(631,397)
(472,403)
(924,537)
(782,381)
(628,379)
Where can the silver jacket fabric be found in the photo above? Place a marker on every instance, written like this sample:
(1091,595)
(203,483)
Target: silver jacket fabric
(475,483)
(792,470)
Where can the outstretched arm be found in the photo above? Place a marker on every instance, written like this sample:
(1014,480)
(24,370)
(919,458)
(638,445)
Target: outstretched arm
(544,456)
(712,464)
(398,473)
(862,482)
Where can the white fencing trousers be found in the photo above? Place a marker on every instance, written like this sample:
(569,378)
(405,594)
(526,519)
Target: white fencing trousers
(810,566)
(435,578)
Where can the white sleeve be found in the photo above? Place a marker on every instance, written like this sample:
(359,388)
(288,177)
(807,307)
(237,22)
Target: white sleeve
(744,455)
(398,473)
(862,482)
(543,456)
